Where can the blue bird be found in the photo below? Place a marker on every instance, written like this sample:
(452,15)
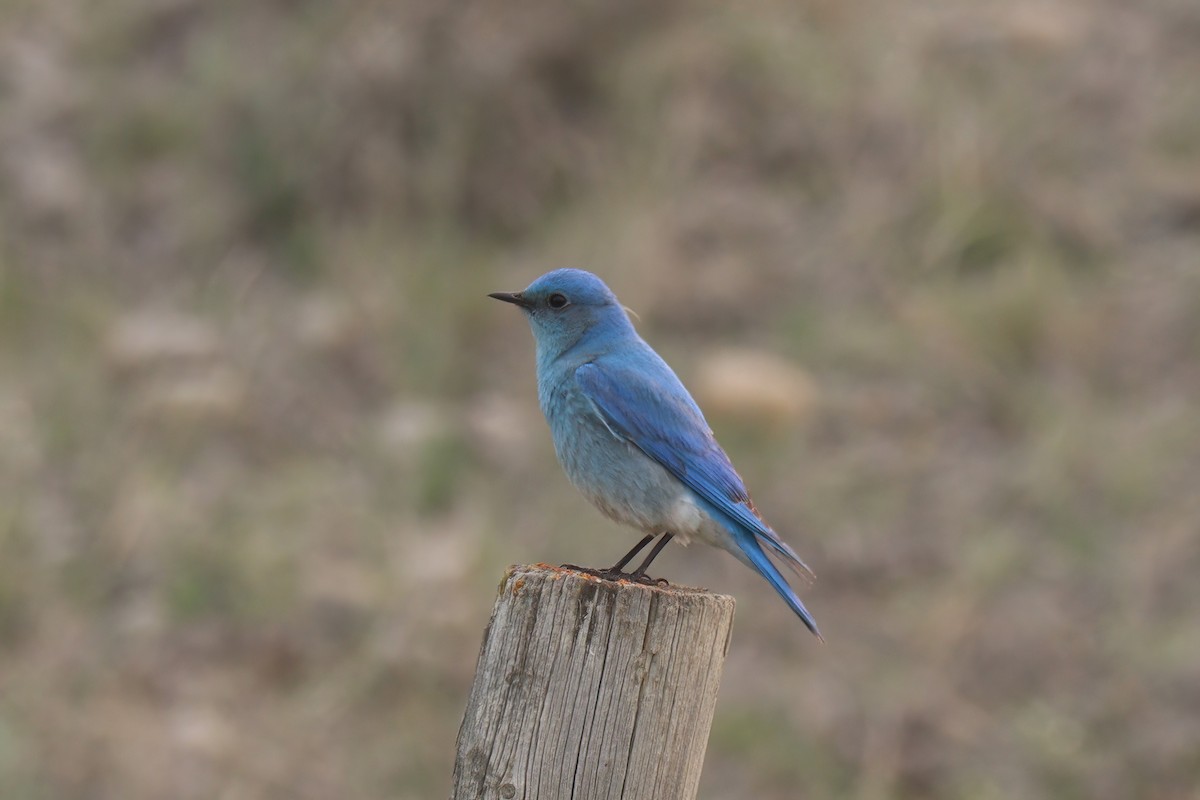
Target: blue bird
(631,438)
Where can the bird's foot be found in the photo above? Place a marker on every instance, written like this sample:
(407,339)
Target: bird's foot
(612,574)
(646,580)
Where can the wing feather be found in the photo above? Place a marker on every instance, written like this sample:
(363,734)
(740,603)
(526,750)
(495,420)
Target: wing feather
(663,421)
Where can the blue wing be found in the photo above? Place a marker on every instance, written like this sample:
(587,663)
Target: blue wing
(660,418)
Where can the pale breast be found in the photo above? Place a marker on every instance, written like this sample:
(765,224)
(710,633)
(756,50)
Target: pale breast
(620,480)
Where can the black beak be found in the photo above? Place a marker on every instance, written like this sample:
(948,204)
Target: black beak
(515,298)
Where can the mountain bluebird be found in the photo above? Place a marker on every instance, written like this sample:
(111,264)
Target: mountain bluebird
(631,438)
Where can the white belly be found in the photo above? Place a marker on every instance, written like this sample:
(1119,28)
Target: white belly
(681,516)
(625,484)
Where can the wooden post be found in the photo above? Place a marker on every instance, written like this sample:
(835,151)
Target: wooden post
(592,690)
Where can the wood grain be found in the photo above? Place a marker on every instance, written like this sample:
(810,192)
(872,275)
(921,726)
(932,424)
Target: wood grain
(592,689)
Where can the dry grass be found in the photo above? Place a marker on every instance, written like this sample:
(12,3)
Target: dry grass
(265,446)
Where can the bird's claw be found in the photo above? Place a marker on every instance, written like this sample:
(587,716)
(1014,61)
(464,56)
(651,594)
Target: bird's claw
(646,580)
(617,575)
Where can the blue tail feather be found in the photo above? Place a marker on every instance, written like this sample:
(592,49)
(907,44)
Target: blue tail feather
(747,542)
(767,569)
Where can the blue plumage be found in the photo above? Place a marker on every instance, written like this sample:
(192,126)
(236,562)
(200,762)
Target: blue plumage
(631,438)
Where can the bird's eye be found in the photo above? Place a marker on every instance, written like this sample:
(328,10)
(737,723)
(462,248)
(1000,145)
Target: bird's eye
(556,300)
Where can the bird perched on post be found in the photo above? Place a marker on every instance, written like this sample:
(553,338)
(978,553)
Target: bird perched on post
(631,438)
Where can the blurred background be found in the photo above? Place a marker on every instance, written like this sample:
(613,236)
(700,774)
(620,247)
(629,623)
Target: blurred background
(266,448)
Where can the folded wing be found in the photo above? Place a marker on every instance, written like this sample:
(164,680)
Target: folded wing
(663,421)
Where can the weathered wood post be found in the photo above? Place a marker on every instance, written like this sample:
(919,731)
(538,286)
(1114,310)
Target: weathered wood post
(591,689)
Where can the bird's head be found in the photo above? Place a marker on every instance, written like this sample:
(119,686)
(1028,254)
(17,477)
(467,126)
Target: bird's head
(566,305)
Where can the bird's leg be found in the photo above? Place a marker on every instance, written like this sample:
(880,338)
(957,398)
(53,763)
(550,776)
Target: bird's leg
(639,574)
(615,571)
(625,559)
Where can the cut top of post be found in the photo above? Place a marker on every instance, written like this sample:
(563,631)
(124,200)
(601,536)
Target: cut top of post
(590,688)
